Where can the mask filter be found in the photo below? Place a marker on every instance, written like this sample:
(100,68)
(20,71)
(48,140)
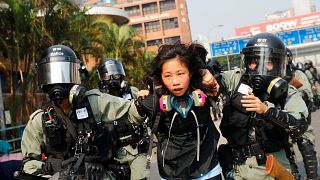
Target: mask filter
(58,92)
(278,88)
(182,104)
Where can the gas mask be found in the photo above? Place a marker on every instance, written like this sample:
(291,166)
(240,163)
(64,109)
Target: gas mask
(266,87)
(264,65)
(182,104)
(111,75)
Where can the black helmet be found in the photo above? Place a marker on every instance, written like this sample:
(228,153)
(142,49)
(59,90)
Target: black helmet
(308,64)
(290,66)
(265,59)
(111,74)
(265,48)
(289,55)
(300,66)
(58,71)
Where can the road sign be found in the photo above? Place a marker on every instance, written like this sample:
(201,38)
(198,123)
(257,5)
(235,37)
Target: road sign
(225,48)
(289,37)
(310,35)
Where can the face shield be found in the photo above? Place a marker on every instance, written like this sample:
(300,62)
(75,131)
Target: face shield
(264,61)
(110,68)
(58,70)
(264,69)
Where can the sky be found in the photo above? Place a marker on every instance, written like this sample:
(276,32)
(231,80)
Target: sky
(217,19)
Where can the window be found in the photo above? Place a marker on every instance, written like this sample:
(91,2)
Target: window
(167,5)
(133,10)
(138,28)
(170,23)
(153,26)
(171,40)
(155,42)
(150,8)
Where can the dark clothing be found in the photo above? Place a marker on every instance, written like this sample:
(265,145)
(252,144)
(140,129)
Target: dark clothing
(179,160)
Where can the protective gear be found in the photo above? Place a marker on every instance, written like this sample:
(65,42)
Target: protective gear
(58,70)
(290,66)
(308,64)
(300,66)
(111,74)
(264,60)
(309,158)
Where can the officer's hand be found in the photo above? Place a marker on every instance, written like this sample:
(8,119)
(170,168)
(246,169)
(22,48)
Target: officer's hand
(211,82)
(253,104)
(142,93)
(313,87)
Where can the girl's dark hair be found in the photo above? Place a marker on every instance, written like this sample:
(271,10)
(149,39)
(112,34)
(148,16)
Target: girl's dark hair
(193,55)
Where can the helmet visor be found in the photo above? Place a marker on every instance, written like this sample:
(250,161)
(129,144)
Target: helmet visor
(264,61)
(109,69)
(59,72)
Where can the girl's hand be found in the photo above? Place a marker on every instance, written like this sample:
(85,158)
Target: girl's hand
(253,104)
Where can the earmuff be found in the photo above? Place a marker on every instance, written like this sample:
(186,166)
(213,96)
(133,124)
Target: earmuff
(198,96)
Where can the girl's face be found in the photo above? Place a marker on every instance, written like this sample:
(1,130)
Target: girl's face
(176,76)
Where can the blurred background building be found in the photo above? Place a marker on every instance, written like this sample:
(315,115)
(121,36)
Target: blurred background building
(155,21)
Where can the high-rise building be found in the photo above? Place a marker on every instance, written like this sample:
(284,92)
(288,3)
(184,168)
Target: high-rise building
(155,21)
(303,7)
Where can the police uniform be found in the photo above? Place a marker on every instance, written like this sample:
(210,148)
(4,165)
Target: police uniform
(307,141)
(105,108)
(251,136)
(294,105)
(72,134)
(132,146)
(313,80)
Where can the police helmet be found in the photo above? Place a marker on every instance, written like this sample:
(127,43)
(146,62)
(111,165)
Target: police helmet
(58,71)
(269,54)
(265,61)
(300,66)
(308,64)
(290,66)
(111,74)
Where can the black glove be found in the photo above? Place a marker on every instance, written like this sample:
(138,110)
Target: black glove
(93,171)
(52,165)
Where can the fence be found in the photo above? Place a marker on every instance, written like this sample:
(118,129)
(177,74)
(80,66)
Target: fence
(15,134)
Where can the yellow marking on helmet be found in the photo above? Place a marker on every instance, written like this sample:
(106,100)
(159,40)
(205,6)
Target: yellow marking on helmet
(272,83)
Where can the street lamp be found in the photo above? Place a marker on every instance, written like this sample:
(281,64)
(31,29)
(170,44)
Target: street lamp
(212,28)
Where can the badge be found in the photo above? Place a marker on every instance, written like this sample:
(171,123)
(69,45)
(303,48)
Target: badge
(82,113)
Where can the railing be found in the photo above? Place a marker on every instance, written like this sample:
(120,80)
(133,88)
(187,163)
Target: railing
(14,141)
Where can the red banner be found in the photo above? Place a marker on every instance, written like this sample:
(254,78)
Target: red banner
(280,25)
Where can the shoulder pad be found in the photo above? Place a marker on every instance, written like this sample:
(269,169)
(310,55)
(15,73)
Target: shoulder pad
(35,113)
(95,92)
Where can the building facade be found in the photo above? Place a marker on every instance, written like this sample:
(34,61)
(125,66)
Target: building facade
(156,21)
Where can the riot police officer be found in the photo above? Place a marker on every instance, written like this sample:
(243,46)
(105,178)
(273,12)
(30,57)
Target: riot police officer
(314,80)
(261,110)
(132,146)
(307,140)
(68,135)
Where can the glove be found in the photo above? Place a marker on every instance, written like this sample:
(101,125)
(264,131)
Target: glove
(93,171)
(52,165)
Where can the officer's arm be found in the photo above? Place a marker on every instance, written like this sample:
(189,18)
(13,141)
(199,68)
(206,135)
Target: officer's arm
(292,118)
(109,108)
(31,143)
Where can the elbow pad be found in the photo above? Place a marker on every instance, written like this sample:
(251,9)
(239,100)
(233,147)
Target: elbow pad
(294,127)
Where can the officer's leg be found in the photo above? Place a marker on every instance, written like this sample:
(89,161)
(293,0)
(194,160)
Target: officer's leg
(138,167)
(309,157)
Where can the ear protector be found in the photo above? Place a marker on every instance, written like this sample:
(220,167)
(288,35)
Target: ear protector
(166,101)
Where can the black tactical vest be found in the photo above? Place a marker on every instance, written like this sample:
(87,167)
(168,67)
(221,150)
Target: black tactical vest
(237,125)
